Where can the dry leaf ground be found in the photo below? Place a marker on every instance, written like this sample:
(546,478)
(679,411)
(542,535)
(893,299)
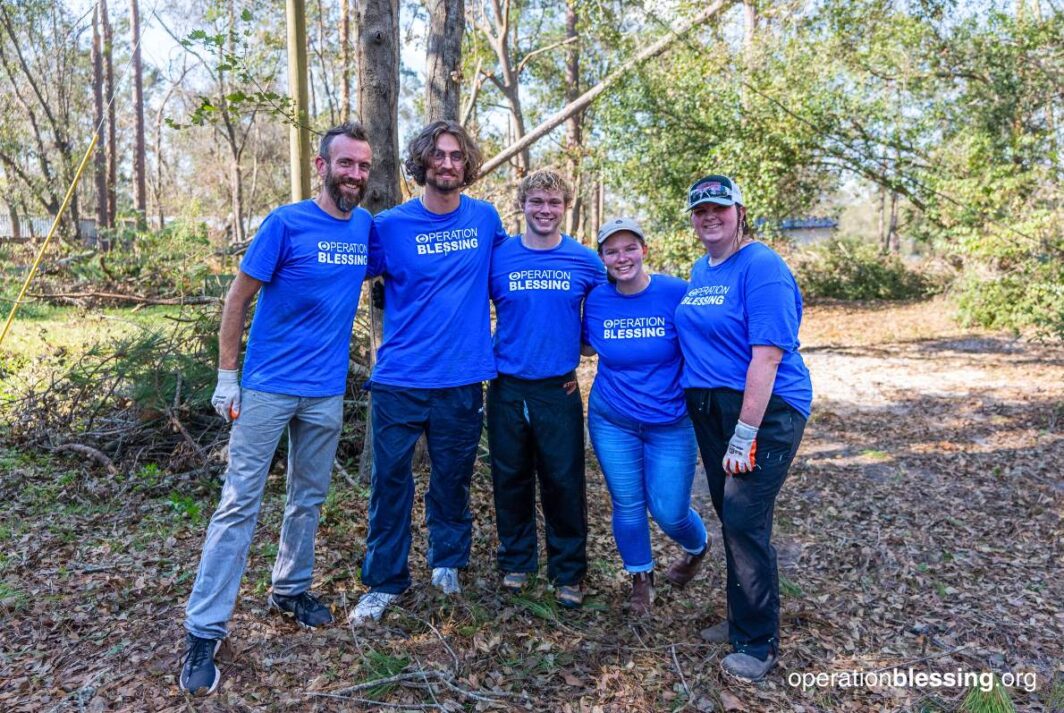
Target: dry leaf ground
(921,527)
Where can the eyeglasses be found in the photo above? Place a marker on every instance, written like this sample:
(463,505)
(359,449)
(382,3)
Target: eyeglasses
(716,189)
(439,156)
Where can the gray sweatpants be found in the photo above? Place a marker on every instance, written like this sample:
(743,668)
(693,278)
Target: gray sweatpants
(313,433)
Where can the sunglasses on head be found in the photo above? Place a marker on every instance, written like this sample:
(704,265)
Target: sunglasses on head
(710,190)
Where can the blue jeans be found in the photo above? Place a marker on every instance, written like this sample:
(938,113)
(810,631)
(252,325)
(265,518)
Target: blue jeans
(313,426)
(646,466)
(451,420)
(745,504)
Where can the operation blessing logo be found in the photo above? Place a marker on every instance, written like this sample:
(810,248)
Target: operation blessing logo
(334,252)
(540,280)
(712,295)
(446,241)
(633,328)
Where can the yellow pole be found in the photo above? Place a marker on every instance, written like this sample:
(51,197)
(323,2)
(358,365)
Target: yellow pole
(298,133)
(48,238)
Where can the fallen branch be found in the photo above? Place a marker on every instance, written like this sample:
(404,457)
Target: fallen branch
(585,99)
(91,452)
(426,622)
(679,670)
(128,299)
(385,704)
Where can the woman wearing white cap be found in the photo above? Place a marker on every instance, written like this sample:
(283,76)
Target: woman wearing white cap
(748,393)
(636,413)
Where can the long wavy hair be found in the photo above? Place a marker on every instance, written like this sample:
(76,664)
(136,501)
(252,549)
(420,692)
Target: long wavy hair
(419,151)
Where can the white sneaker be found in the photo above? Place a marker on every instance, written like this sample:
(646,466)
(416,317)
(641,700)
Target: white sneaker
(370,607)
(446,580)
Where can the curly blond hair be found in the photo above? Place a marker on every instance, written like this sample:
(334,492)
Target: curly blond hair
(545,179)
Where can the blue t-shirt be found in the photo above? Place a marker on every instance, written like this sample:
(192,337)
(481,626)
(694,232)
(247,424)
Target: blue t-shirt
(639,353)
(311,266)
(750,299)
(537,296)
(437,319)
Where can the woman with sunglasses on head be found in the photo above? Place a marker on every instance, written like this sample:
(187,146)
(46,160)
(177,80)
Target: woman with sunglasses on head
(636,414)
(749,394)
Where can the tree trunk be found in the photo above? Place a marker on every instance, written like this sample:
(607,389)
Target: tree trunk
(100,159)
(378,107)
(444,59)
(112,132)
(345,60)
(140,190)
(893,239)
(574,141)
(881,219)
(508,80)
(378,97)
(16,227)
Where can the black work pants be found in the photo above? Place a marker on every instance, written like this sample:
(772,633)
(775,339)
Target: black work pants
(535,427)
(745,504)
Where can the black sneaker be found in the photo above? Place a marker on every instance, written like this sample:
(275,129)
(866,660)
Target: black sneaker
(304,608)
(199,675)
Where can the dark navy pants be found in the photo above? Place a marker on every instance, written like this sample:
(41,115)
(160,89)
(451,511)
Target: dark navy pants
(745,505)
(535,427)
(452,420)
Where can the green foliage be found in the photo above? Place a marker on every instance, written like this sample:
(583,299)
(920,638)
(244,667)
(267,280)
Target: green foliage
(852,269)
(129,381)
(673,251)
(172,262)
(996,700)
(237,54)
(1031,300)
(186,507)
(378,665)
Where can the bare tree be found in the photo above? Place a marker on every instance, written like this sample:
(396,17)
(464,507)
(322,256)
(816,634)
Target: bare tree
(345,60)
(444,58)
(108,97)
(494,20)
(100,159)
(140,190)
(574,140)
(42,75)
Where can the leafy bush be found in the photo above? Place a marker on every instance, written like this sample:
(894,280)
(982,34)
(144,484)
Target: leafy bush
(674,252)
(1032,299)
(852,269)
(174,261)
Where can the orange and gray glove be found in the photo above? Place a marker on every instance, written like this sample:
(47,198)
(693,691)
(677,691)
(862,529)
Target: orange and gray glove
(226,398)
(742,450)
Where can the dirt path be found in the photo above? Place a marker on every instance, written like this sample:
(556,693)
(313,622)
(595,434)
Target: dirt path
(921,527)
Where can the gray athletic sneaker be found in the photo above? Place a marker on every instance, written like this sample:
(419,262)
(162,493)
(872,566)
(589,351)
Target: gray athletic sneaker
(446,580)
(371,607)
(747,667)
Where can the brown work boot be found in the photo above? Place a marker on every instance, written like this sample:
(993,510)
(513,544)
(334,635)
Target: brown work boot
(684,568)
(642,593)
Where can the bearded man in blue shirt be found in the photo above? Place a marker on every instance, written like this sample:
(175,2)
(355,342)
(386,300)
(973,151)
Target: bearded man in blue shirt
(306,263)
(434,252)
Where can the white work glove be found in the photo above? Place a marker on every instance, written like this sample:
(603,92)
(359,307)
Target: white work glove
(226,398)
(742,448)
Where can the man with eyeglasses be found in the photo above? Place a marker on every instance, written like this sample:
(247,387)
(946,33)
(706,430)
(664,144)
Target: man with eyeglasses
(434,252)
(539,280)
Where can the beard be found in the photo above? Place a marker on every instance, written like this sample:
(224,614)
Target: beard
(444,184)
(344,203)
